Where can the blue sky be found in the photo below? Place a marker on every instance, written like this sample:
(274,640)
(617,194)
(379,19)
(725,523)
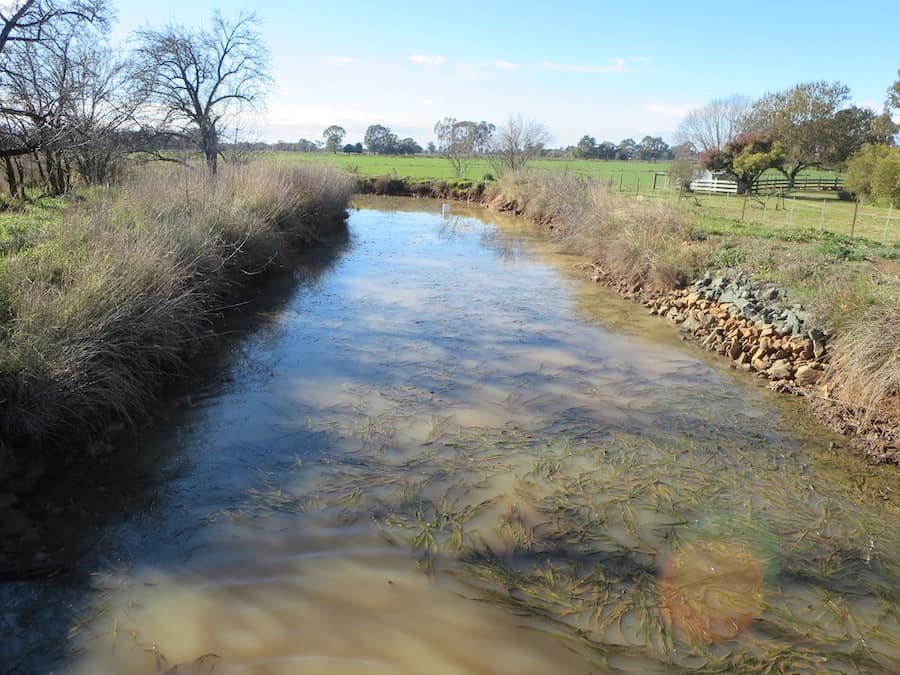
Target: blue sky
(609,69)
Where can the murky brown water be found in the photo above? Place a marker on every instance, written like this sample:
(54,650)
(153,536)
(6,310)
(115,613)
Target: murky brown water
(448,453)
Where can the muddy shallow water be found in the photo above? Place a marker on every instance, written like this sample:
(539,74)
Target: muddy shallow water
(444,451)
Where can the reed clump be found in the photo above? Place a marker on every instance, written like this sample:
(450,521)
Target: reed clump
(635,241)
(100,309)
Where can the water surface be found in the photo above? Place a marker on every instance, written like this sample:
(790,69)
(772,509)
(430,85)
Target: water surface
(445,451)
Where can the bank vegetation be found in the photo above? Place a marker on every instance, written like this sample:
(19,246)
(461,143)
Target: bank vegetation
(105,303)
(645,246)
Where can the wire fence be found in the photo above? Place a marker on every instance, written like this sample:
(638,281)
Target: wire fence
(794,211)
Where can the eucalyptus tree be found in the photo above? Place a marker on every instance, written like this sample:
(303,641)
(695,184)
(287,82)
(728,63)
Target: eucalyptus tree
(460,141)
(380,140)
(334,136)
(199,80)
(893,99)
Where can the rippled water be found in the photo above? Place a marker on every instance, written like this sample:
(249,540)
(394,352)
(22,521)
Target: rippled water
(446,452)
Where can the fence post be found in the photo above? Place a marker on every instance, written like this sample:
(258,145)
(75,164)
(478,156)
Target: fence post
(822,217)
(637,185)
(744,205)
(621,176)
(855,213)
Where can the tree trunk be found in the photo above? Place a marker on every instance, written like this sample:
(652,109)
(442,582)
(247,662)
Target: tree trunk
(209,139)
(12,180)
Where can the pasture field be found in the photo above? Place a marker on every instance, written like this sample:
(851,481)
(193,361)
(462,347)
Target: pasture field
(625,175)
(726,214)
(800,212)
(438,167)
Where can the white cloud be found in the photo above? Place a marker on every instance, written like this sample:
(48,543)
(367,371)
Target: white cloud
(428,101)
(427,60)
(500,64)
(611,66)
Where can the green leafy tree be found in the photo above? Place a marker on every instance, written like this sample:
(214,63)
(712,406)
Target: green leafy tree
(854,128)
(809,122)
(627,149)
(380,140)
(893,100)
(334,136)
(606,150)
(745,158)
(653,147)
(586,148)
(407,146)
(874,173)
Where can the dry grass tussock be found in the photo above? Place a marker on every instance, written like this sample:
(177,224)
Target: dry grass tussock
(639,242)
(865,371)
(643,243)
(96,313)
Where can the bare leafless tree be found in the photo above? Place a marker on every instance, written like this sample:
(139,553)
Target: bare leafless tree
(105,97)
(198,79)
(516,143)
(710,127)
(30,25)
(74,98)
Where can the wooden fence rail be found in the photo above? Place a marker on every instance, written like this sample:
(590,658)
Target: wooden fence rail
(769,185)
(715,186)
(800,184)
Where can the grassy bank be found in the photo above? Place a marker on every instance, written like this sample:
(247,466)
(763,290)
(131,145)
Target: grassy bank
(102,302)
(846,284)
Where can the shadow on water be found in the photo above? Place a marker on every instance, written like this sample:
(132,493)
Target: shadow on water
(455,455)
(93,517)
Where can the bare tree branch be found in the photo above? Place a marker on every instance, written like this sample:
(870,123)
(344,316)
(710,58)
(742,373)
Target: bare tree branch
(198,79)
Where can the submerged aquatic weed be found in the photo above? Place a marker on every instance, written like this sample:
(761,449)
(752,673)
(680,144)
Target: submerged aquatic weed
(686,550)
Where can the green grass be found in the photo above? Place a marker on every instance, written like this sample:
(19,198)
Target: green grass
(633,175)
(438,167)
(796,214)
(21,223)
(799,212)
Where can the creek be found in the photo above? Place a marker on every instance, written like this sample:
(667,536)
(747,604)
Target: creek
(443,450)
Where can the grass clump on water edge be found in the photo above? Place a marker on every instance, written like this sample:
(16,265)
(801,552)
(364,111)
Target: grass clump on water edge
(644,243)
(636,241)
(99,308)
